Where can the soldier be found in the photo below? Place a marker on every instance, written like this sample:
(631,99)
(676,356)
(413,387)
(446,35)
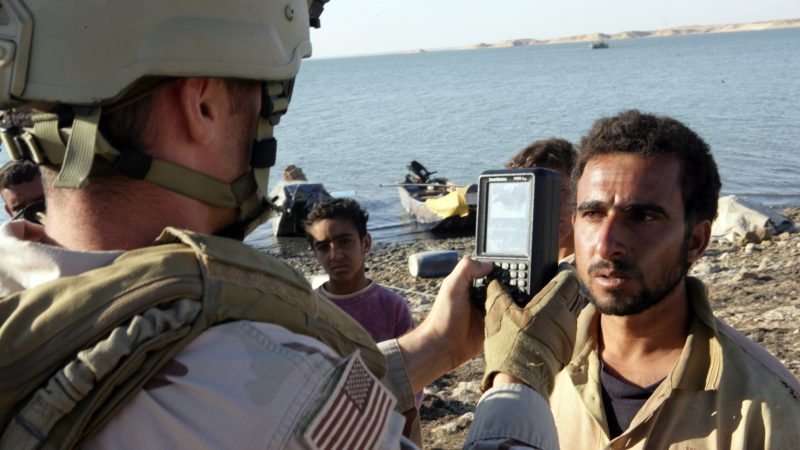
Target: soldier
(132,319)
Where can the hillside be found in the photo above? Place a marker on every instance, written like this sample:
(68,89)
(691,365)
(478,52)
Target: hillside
(690,29)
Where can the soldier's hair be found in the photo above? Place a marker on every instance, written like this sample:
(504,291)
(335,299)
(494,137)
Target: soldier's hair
(632,132)
(17,172)
(124,126)
(339,208)
(553,153)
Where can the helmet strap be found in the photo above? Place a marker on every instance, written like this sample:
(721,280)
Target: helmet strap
(75,149)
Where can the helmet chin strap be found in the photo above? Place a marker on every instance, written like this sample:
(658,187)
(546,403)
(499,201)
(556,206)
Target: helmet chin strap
(275,98)
(257,209)
(76,149)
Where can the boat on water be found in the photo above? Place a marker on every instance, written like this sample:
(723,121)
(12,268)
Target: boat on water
(437,204)
(293,201)
(599,44)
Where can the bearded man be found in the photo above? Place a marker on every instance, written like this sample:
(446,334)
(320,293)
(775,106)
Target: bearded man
(652,367)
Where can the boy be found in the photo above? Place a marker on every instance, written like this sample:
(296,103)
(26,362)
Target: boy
(337,232)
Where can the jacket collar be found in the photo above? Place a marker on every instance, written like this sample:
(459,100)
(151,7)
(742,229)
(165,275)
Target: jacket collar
(700,364)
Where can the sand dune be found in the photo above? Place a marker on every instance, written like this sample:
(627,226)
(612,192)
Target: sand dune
(689,29)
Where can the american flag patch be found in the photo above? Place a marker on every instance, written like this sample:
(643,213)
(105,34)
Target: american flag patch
(355,414)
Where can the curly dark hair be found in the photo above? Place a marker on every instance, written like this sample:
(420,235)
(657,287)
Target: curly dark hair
(339,208)
(17,172)
(633,132)
(553,153)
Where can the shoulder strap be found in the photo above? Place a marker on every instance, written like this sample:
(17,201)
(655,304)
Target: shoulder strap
(238,276)
(80,347)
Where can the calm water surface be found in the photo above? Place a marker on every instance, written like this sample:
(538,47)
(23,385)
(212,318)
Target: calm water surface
(355,123)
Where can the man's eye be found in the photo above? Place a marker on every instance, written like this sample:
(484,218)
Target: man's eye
(592,215)
(644,217)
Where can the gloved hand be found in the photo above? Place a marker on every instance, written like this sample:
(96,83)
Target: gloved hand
(532,343)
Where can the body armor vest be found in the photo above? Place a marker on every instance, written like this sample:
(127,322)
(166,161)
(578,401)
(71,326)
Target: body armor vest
(74,350)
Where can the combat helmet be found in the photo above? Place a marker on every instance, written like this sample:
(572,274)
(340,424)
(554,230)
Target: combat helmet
(86,56)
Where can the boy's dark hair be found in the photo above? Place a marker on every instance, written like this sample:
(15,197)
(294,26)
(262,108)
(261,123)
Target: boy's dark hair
(554,153)
(632,132)
(339,208)
(17,172)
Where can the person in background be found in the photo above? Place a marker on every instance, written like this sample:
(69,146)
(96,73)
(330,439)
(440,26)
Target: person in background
(293,173)
(652,367)
(559,155)
(21,189)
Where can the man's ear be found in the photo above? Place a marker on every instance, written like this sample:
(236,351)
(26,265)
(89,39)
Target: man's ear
(698,240)
(202,101)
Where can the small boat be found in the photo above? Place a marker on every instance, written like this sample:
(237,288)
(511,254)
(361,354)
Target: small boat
(599,44)
(294,200)
(437,204)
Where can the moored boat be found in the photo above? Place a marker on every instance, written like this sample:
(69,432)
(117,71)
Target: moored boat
(437,204)
(293,201)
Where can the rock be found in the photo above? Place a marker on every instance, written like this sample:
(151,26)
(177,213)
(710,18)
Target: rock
(465,420)
(750,248)
(461,423)
(431,389)
(749,237)
(742,276)
(705,268)
(448,428)
(467,392)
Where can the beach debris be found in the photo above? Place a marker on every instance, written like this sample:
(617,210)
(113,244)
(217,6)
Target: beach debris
(432,263)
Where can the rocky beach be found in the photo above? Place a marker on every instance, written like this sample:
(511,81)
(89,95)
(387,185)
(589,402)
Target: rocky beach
(754,286)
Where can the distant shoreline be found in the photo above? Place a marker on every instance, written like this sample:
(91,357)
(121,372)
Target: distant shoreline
(678,31)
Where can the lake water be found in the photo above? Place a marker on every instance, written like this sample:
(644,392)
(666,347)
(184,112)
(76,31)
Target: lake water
(355,123)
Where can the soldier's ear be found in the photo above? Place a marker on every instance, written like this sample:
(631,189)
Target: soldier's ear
(202,103)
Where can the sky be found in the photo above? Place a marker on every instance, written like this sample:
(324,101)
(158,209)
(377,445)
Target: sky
(363,27)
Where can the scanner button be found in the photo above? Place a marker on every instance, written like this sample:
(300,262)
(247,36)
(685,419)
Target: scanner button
(504,265)
(521,283)
(522,266)
(513,282)
(513,266)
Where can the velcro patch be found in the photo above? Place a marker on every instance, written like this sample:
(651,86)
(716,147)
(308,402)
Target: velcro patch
(355,413)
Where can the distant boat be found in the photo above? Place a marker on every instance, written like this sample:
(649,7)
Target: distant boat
(599,44)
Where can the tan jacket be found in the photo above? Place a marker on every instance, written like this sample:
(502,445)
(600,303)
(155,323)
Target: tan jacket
(725,392)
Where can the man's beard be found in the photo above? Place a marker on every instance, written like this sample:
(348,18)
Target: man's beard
(629,305)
